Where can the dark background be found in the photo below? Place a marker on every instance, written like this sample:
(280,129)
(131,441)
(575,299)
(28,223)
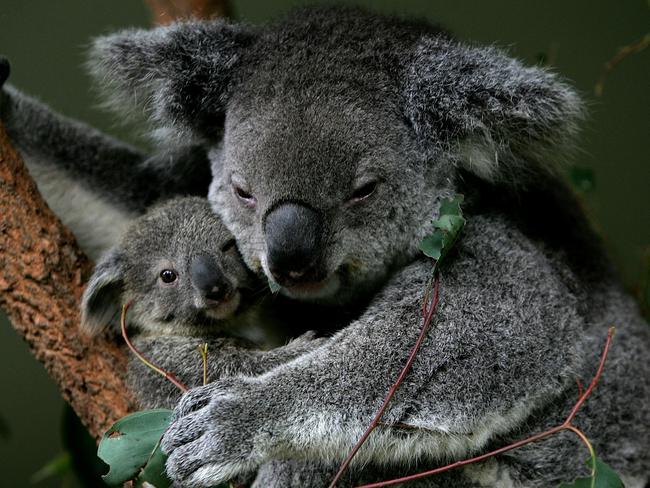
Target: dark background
(46,40)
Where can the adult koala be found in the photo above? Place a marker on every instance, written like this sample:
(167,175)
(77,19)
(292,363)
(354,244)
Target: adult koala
(333,135)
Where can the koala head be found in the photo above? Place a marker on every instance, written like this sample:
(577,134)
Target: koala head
(178,266)
(334,133)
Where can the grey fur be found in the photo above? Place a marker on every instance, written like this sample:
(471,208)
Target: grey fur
(313,106)
(167,237)
(186,79)
(95,183)
(171,321)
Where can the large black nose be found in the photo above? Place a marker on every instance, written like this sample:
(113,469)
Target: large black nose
(293,243)
(209,279)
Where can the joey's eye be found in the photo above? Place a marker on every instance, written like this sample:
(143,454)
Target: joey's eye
(244,196)
(364,191)
(168,276)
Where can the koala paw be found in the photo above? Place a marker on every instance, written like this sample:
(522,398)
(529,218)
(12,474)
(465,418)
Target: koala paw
(215,435)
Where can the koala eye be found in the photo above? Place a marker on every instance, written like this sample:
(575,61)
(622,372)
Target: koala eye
(244,196)
(364,191)
(168,276)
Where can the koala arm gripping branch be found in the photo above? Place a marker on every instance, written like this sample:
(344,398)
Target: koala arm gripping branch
(471,380)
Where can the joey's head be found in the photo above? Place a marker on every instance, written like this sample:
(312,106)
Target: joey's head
(179,267)
(334,133)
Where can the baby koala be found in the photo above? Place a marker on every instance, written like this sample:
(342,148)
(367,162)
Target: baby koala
(179,268)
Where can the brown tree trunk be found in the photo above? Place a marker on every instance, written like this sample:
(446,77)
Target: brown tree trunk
(42,275)
(166,11)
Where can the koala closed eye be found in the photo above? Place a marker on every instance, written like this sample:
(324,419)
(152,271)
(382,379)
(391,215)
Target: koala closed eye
(363,191)
(242,193)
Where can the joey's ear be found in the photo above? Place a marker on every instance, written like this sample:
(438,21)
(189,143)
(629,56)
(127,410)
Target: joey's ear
(101,301)
(501,120)
(178,75)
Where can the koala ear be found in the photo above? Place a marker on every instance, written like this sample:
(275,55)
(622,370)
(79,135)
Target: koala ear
(101,300)
(178,75)
(499,119)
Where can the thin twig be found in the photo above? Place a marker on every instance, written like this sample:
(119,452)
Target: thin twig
(622,53)
(203,350)
(566,425)
(587,443)
(427,316)
(141,357)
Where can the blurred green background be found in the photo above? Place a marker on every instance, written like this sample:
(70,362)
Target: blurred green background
(46,40)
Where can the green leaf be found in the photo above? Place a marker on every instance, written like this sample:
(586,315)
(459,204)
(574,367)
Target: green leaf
(582,179)
(59,466)
(604,477)
(130,443)
(154,472)
(451,206)
(445,229)
(274,287)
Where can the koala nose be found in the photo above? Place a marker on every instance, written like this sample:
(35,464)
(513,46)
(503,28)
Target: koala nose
(209,279)
(293,243)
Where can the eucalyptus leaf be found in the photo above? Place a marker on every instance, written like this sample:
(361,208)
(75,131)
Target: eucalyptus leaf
(604,477)
(154,471)
(274,287)
(60,466)
(582,179)
(130,443)
(445,229)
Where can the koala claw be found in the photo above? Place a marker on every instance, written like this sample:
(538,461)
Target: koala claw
(210,439)
(193,400)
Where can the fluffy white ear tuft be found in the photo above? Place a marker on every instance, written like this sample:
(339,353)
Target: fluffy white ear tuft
(499,119)
(177,76)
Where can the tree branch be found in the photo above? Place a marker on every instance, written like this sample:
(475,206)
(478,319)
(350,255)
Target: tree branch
(42,275)
(166,11)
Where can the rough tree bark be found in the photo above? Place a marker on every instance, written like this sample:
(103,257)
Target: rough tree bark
(43,273)
(166,11)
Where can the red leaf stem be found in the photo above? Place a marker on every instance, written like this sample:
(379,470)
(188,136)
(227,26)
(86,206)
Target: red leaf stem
(141,357)
(566,425)
(427,315)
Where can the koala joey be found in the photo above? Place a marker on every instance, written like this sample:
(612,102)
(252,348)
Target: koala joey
(332,136)
(179,268)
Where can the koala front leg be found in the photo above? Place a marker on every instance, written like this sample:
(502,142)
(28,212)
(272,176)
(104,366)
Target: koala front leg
(499,329)
(180,355)
(77,168)
(95,183)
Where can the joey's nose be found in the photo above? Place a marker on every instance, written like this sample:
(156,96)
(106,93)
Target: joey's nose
(293,243)
(209,279)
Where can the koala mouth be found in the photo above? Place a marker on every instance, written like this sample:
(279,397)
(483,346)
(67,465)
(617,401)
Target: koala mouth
(314,290)
(224,308)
